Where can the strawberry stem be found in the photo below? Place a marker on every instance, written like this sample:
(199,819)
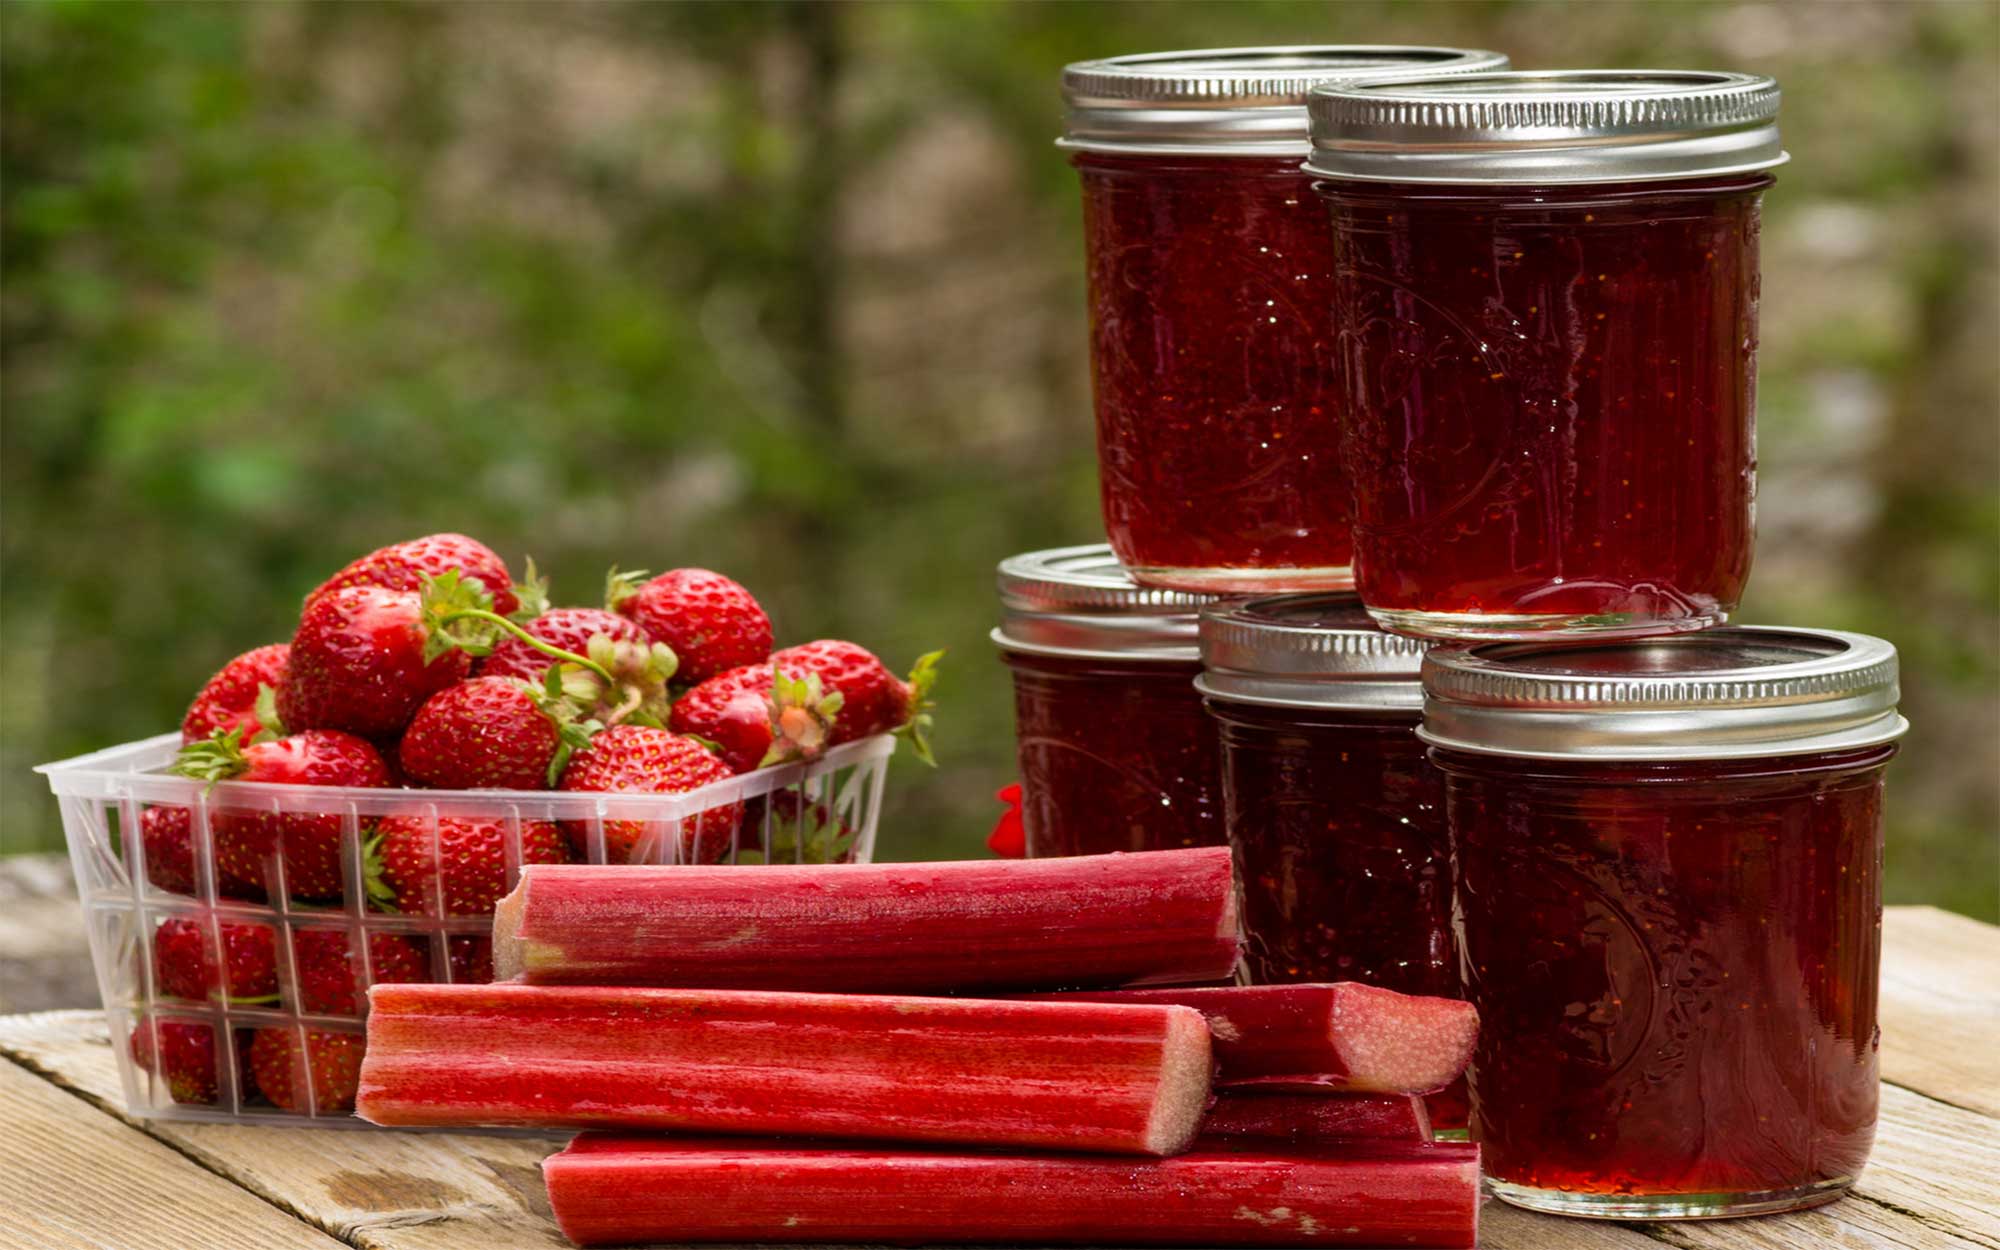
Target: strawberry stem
(549,649)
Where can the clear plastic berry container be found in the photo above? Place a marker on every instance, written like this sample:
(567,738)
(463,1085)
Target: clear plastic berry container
(310,1003)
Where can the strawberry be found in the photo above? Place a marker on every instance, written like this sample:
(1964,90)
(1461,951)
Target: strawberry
(487,733)
(365,659)
(182,1054)
(569,629)
(246,837)
(711,622)
(471,851)
(639,759)
(230,697)
(327,980)
(168,835)
(471,960)
(873,700)
(280,1067)
(403,566)
(184,959)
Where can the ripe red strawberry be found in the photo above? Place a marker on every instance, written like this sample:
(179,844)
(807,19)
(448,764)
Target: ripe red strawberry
(168,835)
(569,629)
(184,959)
(181,1053)
(470,850)
(471,960)
(733,711)
(246,837)
(711,622)
(638,759)
(365,659)
(873,700)
(403,566)
(280,1067)
(487,733)
(230,697)
(327,972)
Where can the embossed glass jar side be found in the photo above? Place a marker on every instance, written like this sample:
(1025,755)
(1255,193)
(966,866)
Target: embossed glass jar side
(1551,402)
(1212,369)
(1676,965)
(1113,757)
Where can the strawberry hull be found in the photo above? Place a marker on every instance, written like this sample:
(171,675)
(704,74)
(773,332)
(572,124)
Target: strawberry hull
(1158,917)
(1309,1037)
(1315,1119)
(608,1190)
(1057,1076)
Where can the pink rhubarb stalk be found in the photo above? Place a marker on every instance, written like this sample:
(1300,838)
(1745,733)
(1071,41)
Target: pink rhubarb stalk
(1157,917)
(1057,1076)
(610,1190)
(1340,1036)
(1315,1119)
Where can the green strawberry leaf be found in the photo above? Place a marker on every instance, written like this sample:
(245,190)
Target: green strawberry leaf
(917,729)
(216,758)
(532,593)
(620,586)
(270,726)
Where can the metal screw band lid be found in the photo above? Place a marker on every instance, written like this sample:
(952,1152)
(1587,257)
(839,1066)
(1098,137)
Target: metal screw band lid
(1080,602)
(1546,127)
(1732,693)
(1307,651)
(1228,101)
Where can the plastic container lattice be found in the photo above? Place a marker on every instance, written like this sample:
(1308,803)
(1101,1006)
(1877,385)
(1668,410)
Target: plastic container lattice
(823,811)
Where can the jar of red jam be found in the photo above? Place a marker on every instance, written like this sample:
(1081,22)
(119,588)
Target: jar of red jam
(1115,751)
(1334,812)
(1209,272)
(1545,287)
(1668,864)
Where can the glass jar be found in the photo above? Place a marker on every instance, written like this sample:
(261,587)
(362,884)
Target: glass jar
(1209,275)
(1545,286)
(1335,815)
(1668,865)
(1115,751)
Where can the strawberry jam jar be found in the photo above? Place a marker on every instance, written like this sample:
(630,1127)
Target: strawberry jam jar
(1335,814)
(1545,288)
(1218,424)
(1669,904)
(1115,751)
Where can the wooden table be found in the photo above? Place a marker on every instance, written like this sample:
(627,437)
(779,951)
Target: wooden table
(76,1171)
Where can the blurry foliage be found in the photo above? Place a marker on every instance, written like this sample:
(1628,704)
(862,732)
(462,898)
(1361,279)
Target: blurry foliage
(794,292)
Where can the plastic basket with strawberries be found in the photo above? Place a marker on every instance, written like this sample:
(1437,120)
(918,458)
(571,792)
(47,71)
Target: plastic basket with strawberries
(346,809)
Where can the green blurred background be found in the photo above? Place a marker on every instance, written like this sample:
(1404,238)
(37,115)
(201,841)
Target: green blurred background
(794,292)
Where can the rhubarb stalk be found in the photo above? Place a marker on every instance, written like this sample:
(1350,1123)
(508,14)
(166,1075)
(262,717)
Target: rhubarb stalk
(1058,1076)
(1339,1036)
(1315,1119)
(612,1190)
(1156,917)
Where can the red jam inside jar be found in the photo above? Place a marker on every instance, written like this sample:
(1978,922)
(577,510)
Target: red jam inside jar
(1334,811)
(1115,751)
(1550,392)
(1675,960)
(1210,275)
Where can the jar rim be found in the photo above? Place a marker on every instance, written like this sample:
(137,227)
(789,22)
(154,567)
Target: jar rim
(1080,602)
(1229,101)
(1545,127)
(1307,651)
(1732,692)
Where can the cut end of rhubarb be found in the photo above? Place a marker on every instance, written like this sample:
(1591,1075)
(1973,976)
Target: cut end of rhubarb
(1402,1043)
(507,960)
(1184,1084)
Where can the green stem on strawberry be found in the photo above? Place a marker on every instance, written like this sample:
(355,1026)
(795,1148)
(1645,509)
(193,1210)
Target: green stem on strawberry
(554,652)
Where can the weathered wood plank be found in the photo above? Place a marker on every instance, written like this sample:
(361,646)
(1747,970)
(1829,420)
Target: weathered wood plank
(72,1176)
(1941,1006)
(1502,1227)
(1936,1162)
(377,1190)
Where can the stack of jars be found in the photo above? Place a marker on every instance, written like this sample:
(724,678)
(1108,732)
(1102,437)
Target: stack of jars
(1425,403)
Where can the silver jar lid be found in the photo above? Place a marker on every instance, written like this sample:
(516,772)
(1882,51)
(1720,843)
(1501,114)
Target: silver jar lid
(1546,127)
(1079,602)
(1307,651)
(1738,692)
(1228,101)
